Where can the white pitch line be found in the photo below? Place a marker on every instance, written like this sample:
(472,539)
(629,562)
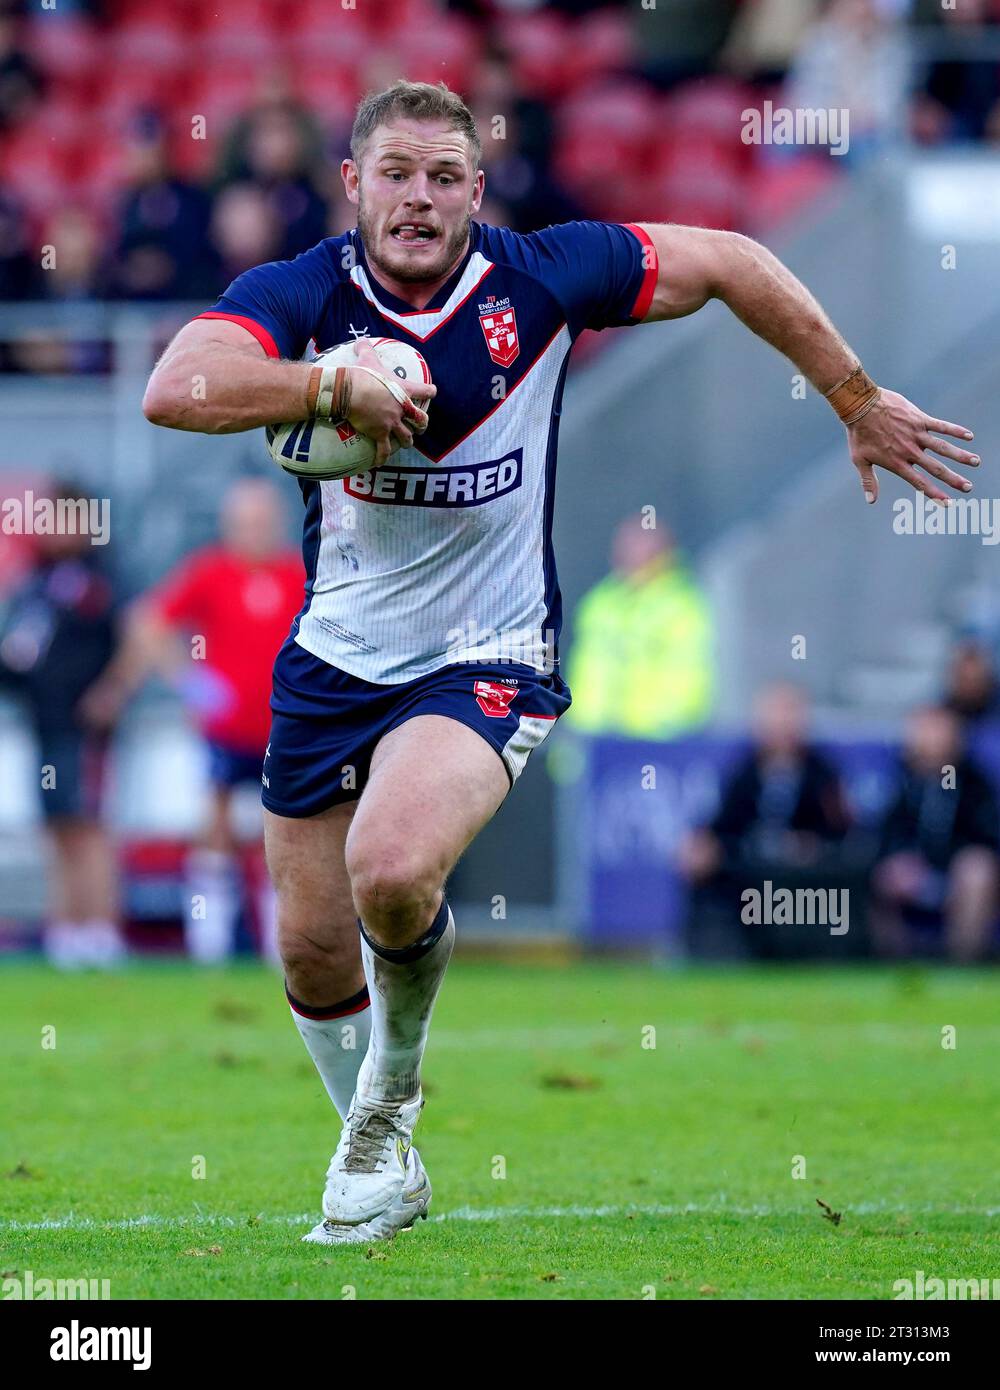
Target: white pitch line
(473,1214)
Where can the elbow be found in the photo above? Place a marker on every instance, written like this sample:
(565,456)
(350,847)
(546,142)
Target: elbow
(160,405)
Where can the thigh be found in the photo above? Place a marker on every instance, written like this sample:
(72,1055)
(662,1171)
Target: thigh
(434,783)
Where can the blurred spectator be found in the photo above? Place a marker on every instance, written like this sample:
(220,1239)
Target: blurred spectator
(58,636)
(680,39)
(541,67)
(19,271)
(279,148)
(73,271)
(960,100)
(20,84)
(641,659)
(234,602)
(855,60)
(972,690)
(245,230)
(161,252)
(938,855)
(523,191)
(766,35)
(782,802)
(782,816)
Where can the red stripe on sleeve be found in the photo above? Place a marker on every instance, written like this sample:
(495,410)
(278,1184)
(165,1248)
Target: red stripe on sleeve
(251,326)
(645,296)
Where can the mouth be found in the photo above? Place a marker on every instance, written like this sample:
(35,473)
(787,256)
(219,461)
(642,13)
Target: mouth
(413,234)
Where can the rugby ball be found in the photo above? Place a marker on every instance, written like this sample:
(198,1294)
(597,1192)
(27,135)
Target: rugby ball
(325,449)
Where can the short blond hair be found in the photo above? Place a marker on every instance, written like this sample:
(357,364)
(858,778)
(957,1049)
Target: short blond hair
(424,101)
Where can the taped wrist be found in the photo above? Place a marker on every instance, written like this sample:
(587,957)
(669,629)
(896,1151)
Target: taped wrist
(328,395)
(853,397)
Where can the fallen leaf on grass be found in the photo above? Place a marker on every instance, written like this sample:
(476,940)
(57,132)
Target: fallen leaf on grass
(569,1081)
(828,1212)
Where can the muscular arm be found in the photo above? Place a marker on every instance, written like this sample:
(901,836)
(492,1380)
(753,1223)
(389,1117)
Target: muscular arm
(216,378)
(696,265)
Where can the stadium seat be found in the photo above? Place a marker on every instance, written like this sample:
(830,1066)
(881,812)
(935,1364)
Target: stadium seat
(65,47)
(540,49)
(35,169)
(700,182)
(604,45)
(778,189)
(612,129)
(445,52)
(154,44)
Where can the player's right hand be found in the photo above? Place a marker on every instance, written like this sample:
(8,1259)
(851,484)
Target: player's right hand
(376,412)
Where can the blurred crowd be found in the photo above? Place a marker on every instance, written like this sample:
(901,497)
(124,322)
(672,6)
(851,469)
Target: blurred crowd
(923,865)
(164,146)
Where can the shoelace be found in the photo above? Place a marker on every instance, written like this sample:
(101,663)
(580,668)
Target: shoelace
(366,1141)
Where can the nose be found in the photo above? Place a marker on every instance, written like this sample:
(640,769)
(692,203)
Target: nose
(418,193)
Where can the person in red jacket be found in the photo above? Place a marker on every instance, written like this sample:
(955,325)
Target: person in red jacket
(212,628)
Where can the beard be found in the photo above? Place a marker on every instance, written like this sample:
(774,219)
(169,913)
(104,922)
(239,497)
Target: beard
(403,267)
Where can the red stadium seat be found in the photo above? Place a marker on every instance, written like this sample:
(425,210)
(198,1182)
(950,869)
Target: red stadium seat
(220,94)
(321,30)
(604,44)
(604,137)
(403,14)
(330,94)
(36,168)
(711,110)
(778,189)
(245,33)
(699,182)
(101,173)
(540,48)
(446,52)
(65,47)
(152,43)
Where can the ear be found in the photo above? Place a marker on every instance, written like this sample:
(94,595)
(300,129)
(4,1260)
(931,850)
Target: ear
(349,173)
(478,189)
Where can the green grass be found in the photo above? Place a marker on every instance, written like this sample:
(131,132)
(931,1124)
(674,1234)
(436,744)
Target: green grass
(626,1166)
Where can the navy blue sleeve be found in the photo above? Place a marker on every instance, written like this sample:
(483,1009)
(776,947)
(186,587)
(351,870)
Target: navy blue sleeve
(280,303)
(602,273)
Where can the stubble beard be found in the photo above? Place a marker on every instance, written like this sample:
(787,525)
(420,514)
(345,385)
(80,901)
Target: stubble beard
(450,251)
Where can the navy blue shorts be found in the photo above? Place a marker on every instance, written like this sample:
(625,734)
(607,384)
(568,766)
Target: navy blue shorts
(74,789)
(326,724)
(231,767)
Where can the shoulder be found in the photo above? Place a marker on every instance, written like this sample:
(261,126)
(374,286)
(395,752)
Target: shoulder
(534,251)
(328,262)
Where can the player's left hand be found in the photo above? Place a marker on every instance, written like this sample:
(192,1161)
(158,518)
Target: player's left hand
(896,435)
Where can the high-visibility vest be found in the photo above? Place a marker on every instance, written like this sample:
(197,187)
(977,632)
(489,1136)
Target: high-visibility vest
(641,662)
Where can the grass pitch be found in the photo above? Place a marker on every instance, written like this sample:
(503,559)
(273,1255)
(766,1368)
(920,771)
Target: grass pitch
(570,1157)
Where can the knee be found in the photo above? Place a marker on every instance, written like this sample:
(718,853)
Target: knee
(394,890)
(303,958)
(974,869)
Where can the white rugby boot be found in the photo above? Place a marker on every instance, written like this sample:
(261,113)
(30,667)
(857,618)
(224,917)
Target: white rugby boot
(376,1184)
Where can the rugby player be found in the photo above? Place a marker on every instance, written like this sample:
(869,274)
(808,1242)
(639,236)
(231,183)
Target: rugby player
(398,726)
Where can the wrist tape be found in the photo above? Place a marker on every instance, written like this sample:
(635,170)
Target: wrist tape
(854,396)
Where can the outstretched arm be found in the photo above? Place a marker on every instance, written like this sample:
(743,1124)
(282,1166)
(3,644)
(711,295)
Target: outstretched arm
(884,429)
